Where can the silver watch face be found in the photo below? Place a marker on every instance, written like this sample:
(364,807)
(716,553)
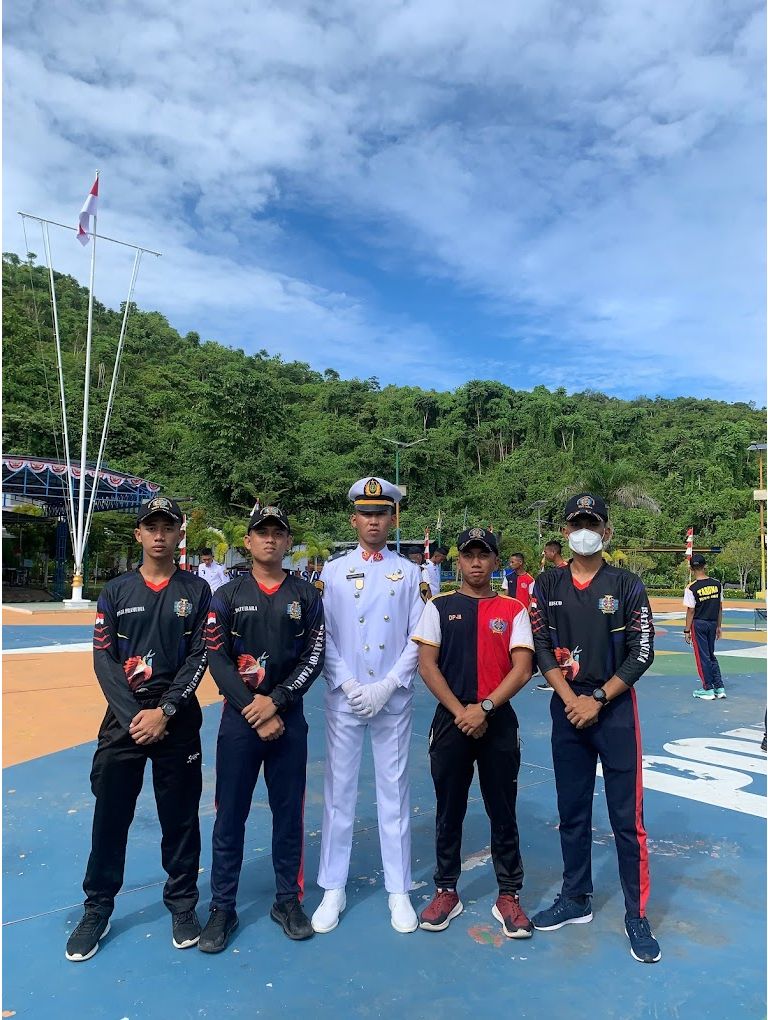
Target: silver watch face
(487,705)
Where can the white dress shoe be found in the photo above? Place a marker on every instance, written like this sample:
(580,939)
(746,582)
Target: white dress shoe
(404,917)
(326,917)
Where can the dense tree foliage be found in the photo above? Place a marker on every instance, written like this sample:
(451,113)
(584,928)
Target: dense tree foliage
(223,427)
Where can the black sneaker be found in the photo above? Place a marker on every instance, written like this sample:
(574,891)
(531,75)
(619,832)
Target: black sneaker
(186,929)
(290,914)
(215,936)
(642,944)
(563,911)
(764,745)
(83,943)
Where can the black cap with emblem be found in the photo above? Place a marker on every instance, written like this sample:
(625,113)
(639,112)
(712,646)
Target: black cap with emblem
(586,505)
(477,536)
(160,505)
(268,513)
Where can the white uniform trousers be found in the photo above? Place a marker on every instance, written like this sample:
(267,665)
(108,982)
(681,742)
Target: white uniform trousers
(390,741)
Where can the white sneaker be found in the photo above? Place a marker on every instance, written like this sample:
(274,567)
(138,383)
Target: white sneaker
(404,917)
(326,917)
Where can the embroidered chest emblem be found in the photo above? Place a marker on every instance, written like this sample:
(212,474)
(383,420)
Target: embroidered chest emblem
(293,609)
(498,626)
(608,604)
(182,608)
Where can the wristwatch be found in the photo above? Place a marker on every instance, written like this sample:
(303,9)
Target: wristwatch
(600,696)
(487,706)
(168,709)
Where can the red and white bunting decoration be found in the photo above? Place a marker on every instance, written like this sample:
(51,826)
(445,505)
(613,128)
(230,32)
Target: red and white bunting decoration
(89,209)
(426,545)
(689,544)
(183,546)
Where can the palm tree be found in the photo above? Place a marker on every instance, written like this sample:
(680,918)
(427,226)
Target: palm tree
(616,481)
(315,547)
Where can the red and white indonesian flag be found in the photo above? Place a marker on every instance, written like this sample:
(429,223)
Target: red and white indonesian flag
(426,545)
(88,210)
(689,544)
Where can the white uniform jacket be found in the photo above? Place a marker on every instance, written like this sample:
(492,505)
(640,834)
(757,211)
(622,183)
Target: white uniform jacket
(371,610)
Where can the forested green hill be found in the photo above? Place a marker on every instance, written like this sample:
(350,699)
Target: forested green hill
(223,426)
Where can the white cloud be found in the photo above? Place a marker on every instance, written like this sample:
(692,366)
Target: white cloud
(577,172)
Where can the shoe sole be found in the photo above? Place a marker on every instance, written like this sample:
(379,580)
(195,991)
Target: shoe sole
(187,944)
(296,938)
(220,949)
(428,926)
(639,960)
(324,931)
(719,697)
(405,931)
(76,958)
(541,688)
(521,933)
(703,697)
(571,920)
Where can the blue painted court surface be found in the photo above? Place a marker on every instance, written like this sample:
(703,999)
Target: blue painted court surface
(705,799)
(33,636)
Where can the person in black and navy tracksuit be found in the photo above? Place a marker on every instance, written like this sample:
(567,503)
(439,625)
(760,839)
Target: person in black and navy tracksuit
(593,634)
(266,646)
(703,601)
(149,657)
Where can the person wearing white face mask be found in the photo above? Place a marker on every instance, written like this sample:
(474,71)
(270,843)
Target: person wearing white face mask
(593,635)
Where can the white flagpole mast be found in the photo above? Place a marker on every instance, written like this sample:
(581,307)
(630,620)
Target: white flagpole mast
(79,528)
(69,504)
(112,388)
(77,580)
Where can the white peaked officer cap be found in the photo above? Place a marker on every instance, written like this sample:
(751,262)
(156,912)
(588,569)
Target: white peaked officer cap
(372,494)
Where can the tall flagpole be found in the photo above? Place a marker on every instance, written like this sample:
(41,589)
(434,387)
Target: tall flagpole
(77,580)
(79,524)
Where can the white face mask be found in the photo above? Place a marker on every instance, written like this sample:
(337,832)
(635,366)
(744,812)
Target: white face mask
(585,542)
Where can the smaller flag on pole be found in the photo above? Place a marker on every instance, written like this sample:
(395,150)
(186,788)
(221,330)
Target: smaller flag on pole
(426,545)
(88,210)
(689,544)
(183,546)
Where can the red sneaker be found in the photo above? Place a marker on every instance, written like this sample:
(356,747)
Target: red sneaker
(441,911)
(514,923)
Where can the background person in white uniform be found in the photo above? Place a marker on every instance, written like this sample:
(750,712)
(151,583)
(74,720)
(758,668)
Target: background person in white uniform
(211,571)
(432,568)
(373,600)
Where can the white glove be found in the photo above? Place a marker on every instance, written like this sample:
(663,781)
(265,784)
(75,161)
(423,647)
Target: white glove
(350,688)
(369,700)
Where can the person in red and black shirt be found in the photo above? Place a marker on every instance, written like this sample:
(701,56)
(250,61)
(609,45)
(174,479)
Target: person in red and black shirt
(475,653)
(593,633)
(517,582)
(266,646)
(149,657)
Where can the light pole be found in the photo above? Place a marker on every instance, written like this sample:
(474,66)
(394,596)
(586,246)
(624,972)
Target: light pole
(398,447)
(538,505)
(760,496)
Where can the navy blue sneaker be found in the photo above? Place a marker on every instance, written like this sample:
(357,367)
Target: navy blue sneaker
(563,911)
(642,944)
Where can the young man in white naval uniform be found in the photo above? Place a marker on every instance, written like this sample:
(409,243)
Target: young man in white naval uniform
(373,600)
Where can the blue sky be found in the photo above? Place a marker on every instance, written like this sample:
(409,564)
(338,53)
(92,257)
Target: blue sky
(567,193)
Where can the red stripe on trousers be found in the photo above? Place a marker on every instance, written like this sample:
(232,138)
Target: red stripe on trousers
(696,654)
(301,865)
(642,839)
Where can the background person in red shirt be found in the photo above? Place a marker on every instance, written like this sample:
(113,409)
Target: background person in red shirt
(517,581)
